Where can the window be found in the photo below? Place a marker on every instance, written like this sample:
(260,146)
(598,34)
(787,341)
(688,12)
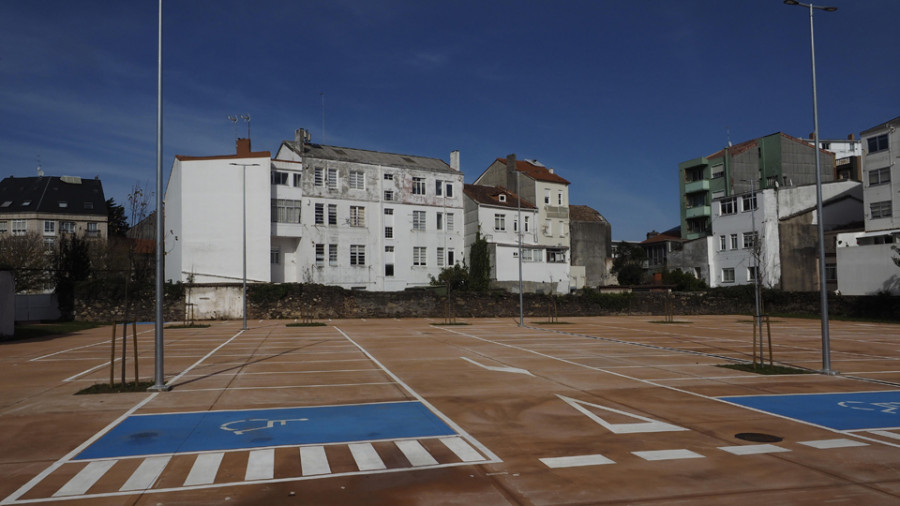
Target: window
(388,232)
(559,198)
(4,227)
(499,222)
(285,211)
(419,220)
(388,177)
(18,227)
(734,241)
(748,202)
(357,254)
(332,179)
(515,224)
(63,204)
(439,188)
(389,270)
(830,272)
(320,214)
(449,192)
(275,256)
(297,179)
(389,249)
(67,227)
(418,186)
(526,224)
(357,180)
(332,254)
(450,257)
(879,176)
(320,255)
(388,211)
(49,242)
(332,214)
(877,143)
(749,239)
(727,206)
(357,216)
(87,205)
(556,256)
(389,195)
(449,222)
(279,177)
(751,273)
(728,275)
(723,243)
(419,255)
(547,196)
(531,255)
(880,209)
(93,230)
(319,176)
(548,227)
(440,257)
(6,203)
(49,227)
(440,221)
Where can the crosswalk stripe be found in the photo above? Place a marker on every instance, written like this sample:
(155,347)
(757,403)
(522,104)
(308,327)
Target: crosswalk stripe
(313,460)
(81,482)
(833,443)
(260,465)
(366,457)
(668,455)
(146,474)
(576,461)
(753,449)
(416,453)
(462,449)
(204,470)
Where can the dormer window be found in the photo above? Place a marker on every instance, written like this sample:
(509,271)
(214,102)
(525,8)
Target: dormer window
(502,198)
(26,203)
(6,203)
(63,203)
(88,205)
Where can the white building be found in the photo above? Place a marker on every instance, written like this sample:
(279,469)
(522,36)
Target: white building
(786,223)
(550,194)
(363,219)
(864,259)
(494,212)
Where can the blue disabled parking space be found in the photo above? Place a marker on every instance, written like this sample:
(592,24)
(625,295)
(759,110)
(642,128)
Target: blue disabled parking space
(846,411)
(233,430)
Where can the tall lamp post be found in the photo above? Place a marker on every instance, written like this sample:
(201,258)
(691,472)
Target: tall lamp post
(244,235)
(826,346)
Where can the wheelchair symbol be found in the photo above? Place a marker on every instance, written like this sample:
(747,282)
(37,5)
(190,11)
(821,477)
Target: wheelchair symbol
(253,424)
(883,407)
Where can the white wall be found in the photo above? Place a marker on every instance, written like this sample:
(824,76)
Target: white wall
(865,270)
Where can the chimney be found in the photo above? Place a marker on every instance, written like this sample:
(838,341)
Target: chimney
(851,137)
(454,160)
(551,170)
(243,147)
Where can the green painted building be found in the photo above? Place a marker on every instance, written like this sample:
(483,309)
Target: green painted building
(770,162)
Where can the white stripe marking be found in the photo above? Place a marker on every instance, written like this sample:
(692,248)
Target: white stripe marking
(753,449)
(416,453)
(366,457)
(146,474)
(462,449)
(85,479)
(204,469)
(885,433)
(260,465)
(313,460)
(833,443)
(498,369)
(576,461)
(668,455)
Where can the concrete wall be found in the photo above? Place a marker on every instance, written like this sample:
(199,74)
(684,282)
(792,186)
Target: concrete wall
(866,270)
(591,249)
(7,303)
(36,307)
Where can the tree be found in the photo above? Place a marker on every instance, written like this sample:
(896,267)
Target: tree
(73,264)
(480,267)
(118,223)
(683,281)
(30,259)
(456,277)
(628,266)
(896,259)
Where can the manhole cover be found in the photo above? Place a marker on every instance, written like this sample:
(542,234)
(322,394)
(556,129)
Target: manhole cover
(757,437)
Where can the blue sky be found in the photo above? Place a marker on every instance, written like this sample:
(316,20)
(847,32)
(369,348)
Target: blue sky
(613,95)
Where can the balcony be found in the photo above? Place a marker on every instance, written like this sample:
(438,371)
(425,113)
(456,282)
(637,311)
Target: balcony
(701,185)
(698,212)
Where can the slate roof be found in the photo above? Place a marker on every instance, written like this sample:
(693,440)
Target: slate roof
(353,155)
(536,172)
(490,195)
(51,194)
(585,213)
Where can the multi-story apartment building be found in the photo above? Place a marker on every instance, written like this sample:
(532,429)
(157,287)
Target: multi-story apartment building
(549,192)
(52,207)
(865,259)
(768,162)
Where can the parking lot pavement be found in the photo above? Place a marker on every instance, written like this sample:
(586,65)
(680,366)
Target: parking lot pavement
(609,410)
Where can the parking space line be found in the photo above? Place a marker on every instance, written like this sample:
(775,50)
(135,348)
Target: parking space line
(462,449)
(85,479)
(668,455)
(415,453)
(753,449)
(204,470)
(833,443)
(260,465)
(146,474)
(313,461)
(366,457)
(576,461)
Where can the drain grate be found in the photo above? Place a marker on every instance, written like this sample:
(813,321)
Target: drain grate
(757,437)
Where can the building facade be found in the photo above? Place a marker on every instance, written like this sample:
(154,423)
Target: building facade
(590,238)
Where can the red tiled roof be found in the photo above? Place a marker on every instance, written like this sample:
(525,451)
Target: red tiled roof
(536,172)
(584,213)
(662,238)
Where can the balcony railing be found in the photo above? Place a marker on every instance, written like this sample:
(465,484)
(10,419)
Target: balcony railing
(698,212)
(696,186)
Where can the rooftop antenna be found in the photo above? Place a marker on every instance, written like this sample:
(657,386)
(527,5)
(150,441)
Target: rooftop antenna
(323,116)
(728,135)
(233,120)
(40,171)
(246,117)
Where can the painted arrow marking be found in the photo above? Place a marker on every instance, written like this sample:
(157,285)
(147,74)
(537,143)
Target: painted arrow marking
(500,369)
(647,425)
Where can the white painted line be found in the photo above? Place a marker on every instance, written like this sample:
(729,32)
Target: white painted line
(884,433)
(366,457)
(204,470)
(92,369)
(753,449)
(462,449)
(85,479)
(313,460)
(824,444)
(260,465)
(499,369)
(668,455)
(416,453)
(146,474)
(576,461)
(647,425)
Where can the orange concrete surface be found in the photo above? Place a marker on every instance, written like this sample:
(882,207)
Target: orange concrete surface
(594,410)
